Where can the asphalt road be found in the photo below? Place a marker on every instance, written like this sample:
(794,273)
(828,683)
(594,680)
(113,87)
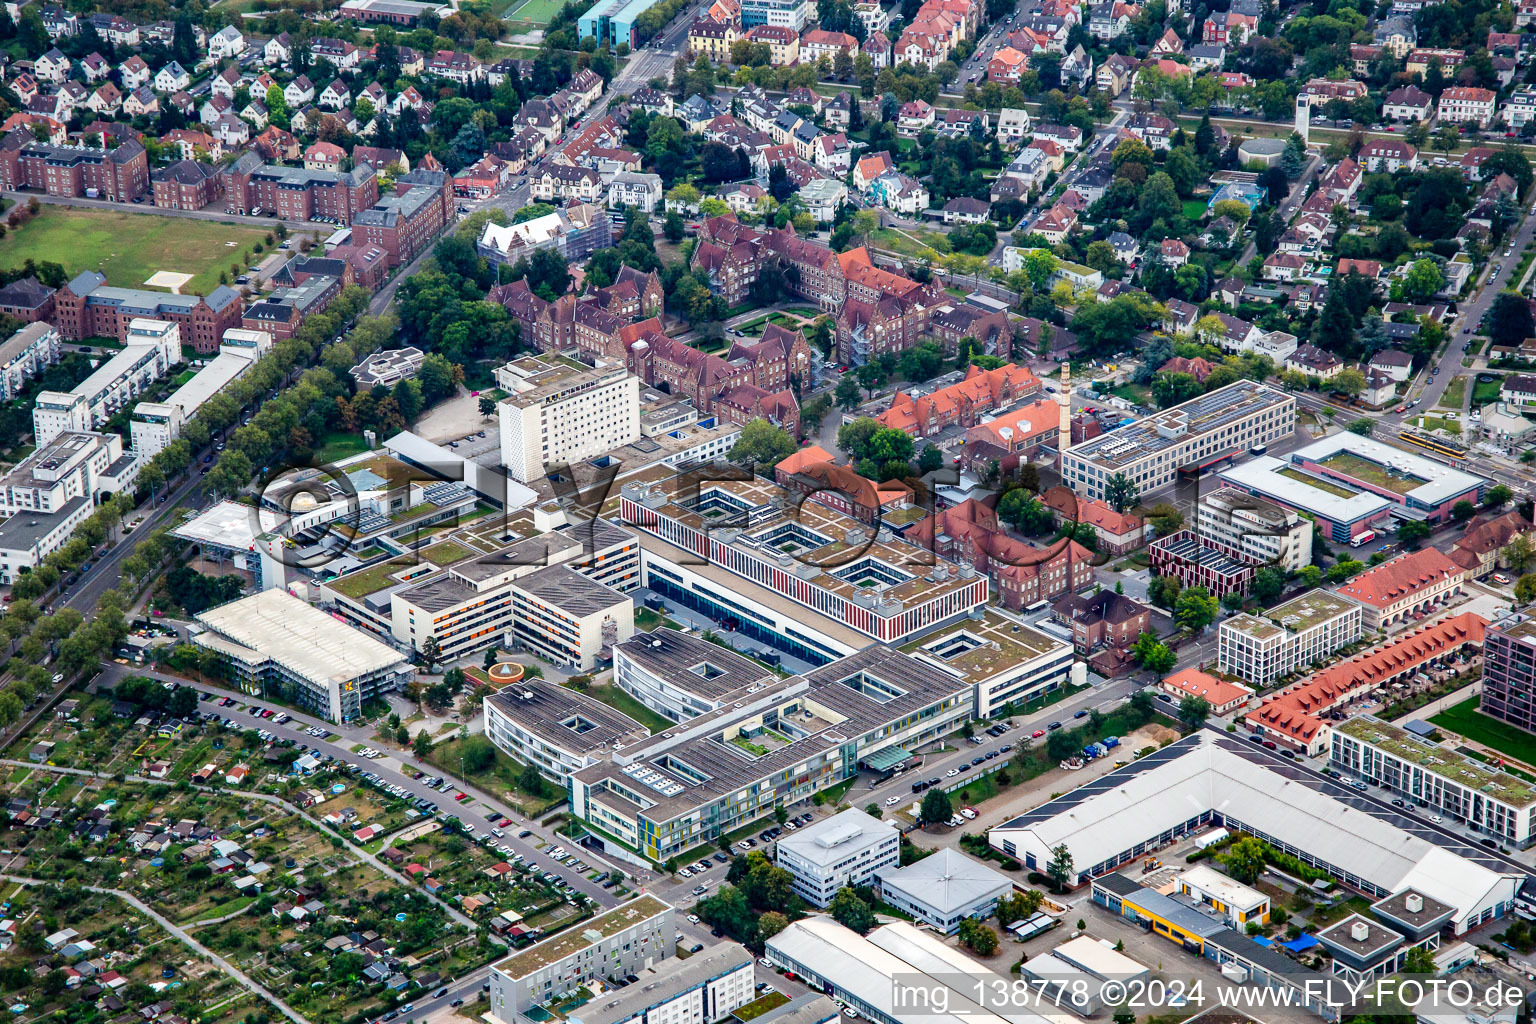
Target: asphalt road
(1495,278)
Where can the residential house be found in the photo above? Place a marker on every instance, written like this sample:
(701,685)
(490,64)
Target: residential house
(172,78)
(227,42)
(1408,103)
(1467,105)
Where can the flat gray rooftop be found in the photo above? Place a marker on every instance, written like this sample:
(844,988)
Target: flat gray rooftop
(666,981)
(689,663)
(566,718)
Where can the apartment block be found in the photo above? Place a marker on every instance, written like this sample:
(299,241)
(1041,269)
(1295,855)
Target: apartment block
(1405,589)
(1509,671)
(1288,638)
(73,464)
(1485,798)
(120,175)
(1253,529)
(24,355)
(87,307)
(153,347)
(703,989)
(1202,432)
(405,223)
(294,193)
(559,410)
(628,939)
(157,424)
(304,286)
(847,849)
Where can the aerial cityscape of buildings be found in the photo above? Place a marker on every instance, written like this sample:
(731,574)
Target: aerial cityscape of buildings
(761,512)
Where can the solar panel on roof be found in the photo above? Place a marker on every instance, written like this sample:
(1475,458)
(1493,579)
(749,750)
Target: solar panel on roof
(369,521)
(441,494)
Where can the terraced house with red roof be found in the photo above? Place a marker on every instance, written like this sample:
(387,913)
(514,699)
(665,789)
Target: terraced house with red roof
(1296,719)
(1410,586)
(962,404)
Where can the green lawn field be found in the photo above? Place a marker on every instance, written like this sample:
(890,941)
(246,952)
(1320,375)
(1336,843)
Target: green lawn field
(537,11)
(129,247)
(1466,720)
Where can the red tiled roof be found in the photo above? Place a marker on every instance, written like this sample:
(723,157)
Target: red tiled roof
(1393,580)
(1295,713)
(797,461)
(982,388)
(1195,683)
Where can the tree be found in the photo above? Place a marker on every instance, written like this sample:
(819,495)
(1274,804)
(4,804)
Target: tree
(1121,492)
(1060,870)
(848,910)
(1268,584)
(1497,496)
(1335,329)
(1170,389)
(1510,320)
(1153,655)
(430,652)
(1193,711)
(1462,511)
(1163,591)
(530,781)
(936,807)
(422,744)
(1060,745)
(853,437)
(1411,533)
(1420,960)
(1525,589)
(1347,382)
(762,444)
(1422,281)
(1244,859)
(848,393)
(979,937)
(1448,137)
(1165,518)
(770,924)
(931,458)
(1517,554)
(1361,426)
(1195,608)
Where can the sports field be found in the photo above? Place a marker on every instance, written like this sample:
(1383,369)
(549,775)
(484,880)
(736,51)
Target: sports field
(129,247)
(538,12)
